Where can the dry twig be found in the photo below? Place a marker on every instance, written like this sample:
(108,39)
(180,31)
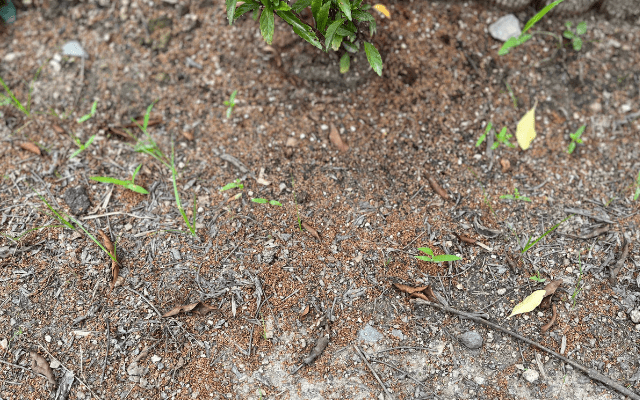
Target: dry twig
(591,373)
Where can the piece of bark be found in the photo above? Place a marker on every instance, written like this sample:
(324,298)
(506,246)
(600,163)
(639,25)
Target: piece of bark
(40,365)
(30,147)
(620,263)
(437,188)
(321,344)
(311,230)
(336,139)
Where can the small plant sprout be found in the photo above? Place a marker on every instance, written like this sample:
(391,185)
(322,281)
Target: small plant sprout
(12,99)
(575,139)
(147,145)
(515,196)
(574,36)
(127,184)
(578,287)
(637,185)
(537,278)
(85,117)
(524,36)
(174,177)
(231,103)
(234,185)
(265,201)
(530,244)
(502,137)
(81,147)
(435,259)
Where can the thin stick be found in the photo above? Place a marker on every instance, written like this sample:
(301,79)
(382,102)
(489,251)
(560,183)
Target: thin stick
(106,354)
(144,298)
(408,375)
(15,365)
(361,354)
(590,372)
(114,213)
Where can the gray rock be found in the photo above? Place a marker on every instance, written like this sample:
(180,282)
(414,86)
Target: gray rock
(77,199)
(506,27)
(369,334)
(531,375)
(74,48)
(471,339)
(176,254)
(398,333)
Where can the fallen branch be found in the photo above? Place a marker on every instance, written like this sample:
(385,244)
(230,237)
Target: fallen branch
(364,359)
(590,372)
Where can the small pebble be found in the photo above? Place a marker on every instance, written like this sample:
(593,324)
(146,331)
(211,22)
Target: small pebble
(502,291)
(530,375)
(471,339)
(635,316)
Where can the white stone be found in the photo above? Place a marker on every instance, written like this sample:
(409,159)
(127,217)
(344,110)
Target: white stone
(505,27)
(479,380)
(530,375)
(155,358)
(74,48)
(635,316)
(502,291)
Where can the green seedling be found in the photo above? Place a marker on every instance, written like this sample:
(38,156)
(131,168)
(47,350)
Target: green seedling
(86,117)
(530,244)
(265,201)
(15,335)
(11,99)
(502,137)
(67,223)
(637,185)
(231,103)
(174,176)
(232,185)
(81,147)
(575,139)
(127,184)
(524,36)
(574,36)
(577,289)
(436,259)
(537,278)
(515,196)
(147,145)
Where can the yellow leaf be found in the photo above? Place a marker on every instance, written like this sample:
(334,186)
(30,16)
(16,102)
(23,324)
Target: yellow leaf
(526,131)
(382,9)
(530,303)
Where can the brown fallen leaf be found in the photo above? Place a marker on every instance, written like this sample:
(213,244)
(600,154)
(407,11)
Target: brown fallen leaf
(115,273)
(188,135)
(28,146)
(552,286)
(336,139)
(119,132)
(549,324)
(466,239)
(40,365)
(199,307)
(311,230)
(58,129)
(409,289)
(506,165)
(430,295)
(437,188)
(106,241)
(321,344)
(546,303)
(304,312)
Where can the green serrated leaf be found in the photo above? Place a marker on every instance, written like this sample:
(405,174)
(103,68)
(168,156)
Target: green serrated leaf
(424,258)
(267,23)
(426,250)
(345,6)
(245,8)
(315,10)
(323,16)
(373,57)
(581,29)
(571,148)
(336,42)
(231,10)
(300,5)
(577,43)
(350,47)
(345,63)
(300,28)
(331,31)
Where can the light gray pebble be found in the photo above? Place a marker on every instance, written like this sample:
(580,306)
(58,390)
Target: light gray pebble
(471,339)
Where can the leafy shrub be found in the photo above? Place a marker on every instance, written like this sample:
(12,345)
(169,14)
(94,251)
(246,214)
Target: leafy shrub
(339,25)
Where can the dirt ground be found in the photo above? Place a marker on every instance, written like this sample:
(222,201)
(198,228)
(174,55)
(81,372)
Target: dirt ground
(260,285)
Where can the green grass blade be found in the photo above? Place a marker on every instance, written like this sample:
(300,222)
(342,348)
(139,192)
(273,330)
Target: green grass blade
(106,179)
(539,15)
(553,228)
